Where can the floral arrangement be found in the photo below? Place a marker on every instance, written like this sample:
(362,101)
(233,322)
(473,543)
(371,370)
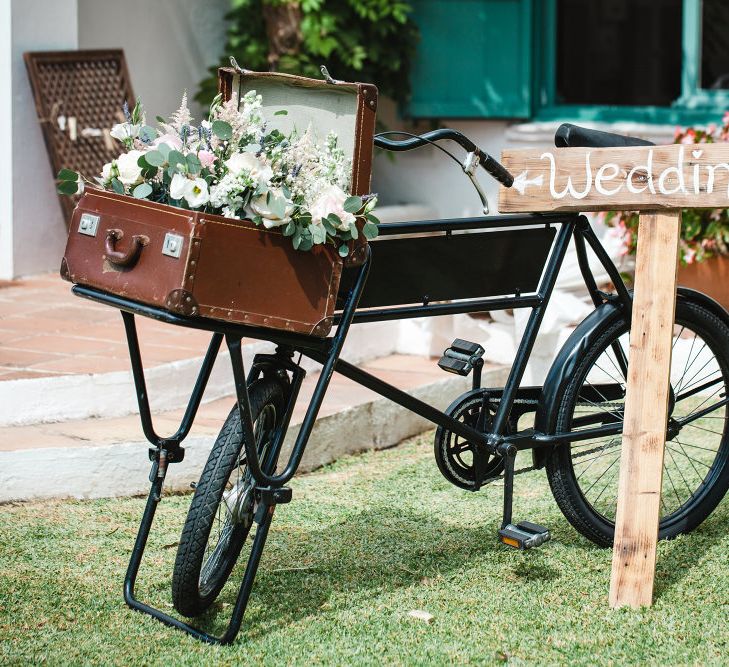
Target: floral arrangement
(704,232)
(232,165)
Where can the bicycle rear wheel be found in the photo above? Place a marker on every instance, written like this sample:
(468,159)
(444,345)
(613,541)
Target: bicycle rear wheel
(584,475)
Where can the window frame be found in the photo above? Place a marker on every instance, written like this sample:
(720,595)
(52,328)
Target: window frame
(694,106)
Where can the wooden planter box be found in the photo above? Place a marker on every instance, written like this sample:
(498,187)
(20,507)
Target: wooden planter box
(710,277)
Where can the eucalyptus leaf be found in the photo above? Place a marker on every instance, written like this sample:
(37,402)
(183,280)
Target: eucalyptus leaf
(222,130)
(343,250)
(193,163)
(142,191)
(353,233)
(67,187)
(281,112)
(67,175)
(373,218)
(154,158)
(286,191)
(370,230)
(329,227)
(117,186)
(318,233)
(352,204)
(296,240)
(289,229)
(164,149)
(278,207)
(159,119)
(175,157)
(307,243)
(334,219)
(251,148)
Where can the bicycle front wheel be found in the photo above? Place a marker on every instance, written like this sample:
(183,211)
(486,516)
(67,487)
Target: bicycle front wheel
(221,512)
(583,475)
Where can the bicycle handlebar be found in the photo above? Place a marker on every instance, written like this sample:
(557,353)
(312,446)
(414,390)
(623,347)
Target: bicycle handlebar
(493,167)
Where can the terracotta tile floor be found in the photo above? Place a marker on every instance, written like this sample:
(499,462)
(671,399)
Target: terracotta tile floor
(46,330)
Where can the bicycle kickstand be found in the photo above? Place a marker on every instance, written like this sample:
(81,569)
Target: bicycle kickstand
(267,500)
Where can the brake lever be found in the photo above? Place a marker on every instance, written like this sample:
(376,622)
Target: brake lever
(470,165)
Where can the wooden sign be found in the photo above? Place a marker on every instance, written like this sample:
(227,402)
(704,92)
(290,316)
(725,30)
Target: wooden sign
(647,179)
(631,178)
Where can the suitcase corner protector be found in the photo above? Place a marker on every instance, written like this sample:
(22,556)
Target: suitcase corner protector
(182,302)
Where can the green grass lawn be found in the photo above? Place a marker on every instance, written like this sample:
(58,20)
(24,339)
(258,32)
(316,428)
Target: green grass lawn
(364,542)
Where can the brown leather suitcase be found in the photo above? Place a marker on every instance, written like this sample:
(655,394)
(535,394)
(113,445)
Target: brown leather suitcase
(197,264)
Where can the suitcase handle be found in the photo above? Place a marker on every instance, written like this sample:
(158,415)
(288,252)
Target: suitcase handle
(117,256)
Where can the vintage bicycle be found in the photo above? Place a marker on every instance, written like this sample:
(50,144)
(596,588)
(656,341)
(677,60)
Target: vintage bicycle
(572,423)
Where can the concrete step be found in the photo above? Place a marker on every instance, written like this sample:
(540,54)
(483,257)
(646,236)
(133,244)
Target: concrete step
(64,358)
(103,457)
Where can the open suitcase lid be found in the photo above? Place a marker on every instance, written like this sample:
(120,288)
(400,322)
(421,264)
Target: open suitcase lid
(348,109)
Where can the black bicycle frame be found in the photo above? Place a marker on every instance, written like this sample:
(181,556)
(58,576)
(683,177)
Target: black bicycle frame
(270,489)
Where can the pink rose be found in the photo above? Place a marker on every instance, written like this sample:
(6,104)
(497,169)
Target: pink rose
(331,200)
(207,158)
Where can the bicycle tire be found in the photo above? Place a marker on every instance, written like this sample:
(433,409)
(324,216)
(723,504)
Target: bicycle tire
(194,588)
(571,497)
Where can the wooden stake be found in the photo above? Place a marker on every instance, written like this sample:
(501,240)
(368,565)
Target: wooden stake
(646,410)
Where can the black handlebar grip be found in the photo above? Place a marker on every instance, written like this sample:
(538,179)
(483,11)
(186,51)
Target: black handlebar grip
(496,169)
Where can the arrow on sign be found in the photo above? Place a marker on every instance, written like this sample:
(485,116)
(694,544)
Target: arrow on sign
(521,182)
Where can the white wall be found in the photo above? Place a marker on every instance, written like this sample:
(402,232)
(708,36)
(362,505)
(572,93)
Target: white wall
(427,176)
(32,231)
(169,44)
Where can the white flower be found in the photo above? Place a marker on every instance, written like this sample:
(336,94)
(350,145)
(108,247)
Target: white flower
(196,193)
(276,212)
(106,172)
(331,200)
(178,186)
(130,173)
(250,164)
(124,131)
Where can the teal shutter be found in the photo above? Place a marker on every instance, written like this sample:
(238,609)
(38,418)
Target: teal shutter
(474,59)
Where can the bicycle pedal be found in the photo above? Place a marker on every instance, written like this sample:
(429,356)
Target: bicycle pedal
(460,357)
(524,535)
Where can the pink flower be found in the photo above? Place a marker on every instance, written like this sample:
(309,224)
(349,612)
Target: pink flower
(689,255)
(331,200)
(689,137)
(207,158)
(711,128)
(170,139)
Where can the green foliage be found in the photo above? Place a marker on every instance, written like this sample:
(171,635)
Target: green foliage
(372,41)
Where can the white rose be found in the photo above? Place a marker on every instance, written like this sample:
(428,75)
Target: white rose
(124,131)
(276,212)
(331,200)
(178,186)
(130,173)
(196,192)
(249,163)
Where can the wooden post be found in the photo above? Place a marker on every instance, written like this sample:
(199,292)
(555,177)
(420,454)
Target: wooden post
(645,179)
(646,411)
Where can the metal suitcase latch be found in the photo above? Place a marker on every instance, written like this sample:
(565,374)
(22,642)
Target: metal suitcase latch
(88,224)
(172,246)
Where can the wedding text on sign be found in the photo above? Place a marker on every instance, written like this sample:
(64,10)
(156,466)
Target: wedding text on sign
(639,179)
